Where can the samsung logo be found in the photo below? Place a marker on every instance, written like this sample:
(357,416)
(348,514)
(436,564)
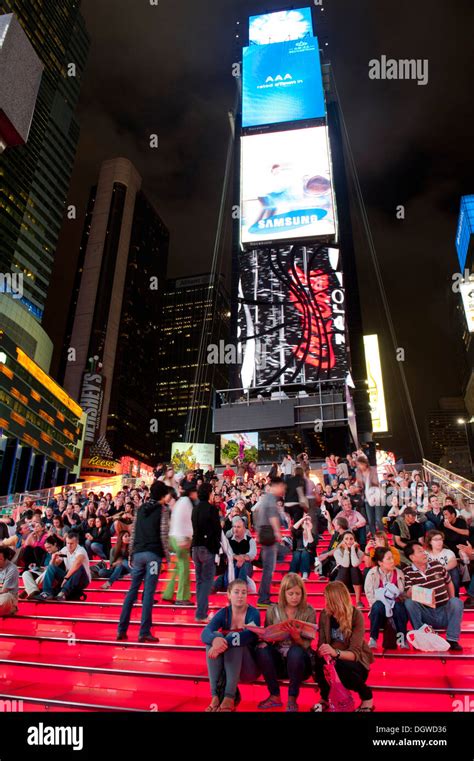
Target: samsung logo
(64,736)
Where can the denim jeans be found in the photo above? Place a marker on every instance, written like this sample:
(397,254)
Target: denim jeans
(205,567)
(146,567)
(114,574)
(246,569)
(296,665)
(374,518)
(95,548)
(55,574)
(239,666)
(447,617)
(378,618)
(301,562)
(268,556)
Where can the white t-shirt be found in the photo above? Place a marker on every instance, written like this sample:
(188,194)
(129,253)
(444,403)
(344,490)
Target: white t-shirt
(72,556)
(444,557)
(181,524)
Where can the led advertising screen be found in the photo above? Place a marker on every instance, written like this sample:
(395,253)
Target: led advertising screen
(282,83)
(280,26)
(242,446)
(465,229)
(293,299)
(185,455)
(378,410)
(286,188)
(467,293)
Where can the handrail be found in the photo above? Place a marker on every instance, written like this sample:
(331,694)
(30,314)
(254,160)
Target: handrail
(458,484)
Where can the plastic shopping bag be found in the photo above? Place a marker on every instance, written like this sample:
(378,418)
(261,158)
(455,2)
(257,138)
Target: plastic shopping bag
(340,699)
(427,640)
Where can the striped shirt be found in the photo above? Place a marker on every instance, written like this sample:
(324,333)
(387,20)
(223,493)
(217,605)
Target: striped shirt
(435,577)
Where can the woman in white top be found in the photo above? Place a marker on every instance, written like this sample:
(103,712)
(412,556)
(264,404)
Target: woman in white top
(434,545)
(348,557)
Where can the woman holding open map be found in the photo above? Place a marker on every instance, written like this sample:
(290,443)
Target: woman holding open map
(287,656)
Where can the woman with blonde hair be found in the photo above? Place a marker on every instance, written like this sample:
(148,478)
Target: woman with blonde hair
(341,637)
(289,658)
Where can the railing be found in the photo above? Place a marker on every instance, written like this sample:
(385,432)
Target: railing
(461,487)
(277,392)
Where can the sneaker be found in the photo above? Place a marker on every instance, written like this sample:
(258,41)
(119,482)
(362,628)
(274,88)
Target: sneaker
(469,603)
(121,637)
(305,575)
(273,701)
(61,596)
(183,602)
(372,643)
(149,638)
(292,706)
(360,605)
(107,585)
(45,597)
(455,646)
(322,577)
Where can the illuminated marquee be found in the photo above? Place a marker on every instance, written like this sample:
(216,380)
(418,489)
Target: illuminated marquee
(91,401)
(378,410)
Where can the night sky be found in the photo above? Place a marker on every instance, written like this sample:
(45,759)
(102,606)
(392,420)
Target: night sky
(168,70)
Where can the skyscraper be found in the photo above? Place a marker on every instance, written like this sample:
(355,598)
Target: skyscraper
(35,177)
(196,315)
(111,344)
(295,293)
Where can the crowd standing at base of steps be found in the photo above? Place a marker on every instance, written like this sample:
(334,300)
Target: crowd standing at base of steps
(405,544)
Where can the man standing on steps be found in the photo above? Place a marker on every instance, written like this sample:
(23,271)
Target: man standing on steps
(148,547)
(267,518)
(207,532)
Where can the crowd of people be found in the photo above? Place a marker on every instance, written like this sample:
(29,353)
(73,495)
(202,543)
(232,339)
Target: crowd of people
(400,542)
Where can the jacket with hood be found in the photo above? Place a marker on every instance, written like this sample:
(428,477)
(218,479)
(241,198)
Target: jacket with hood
(150,529)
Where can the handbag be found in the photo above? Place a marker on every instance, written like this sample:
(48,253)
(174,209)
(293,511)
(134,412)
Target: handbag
(340,699)
(389,641)
(266,535)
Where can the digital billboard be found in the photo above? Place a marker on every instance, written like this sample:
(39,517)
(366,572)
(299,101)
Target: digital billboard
(243,446)
(467,293)
(465,229)
(282,83)
(286,187)
(280,26)
(185,455)
(292,297)
(378,410)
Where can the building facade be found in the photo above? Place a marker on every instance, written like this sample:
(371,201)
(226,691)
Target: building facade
(110,361)
(35,176)
(191,359)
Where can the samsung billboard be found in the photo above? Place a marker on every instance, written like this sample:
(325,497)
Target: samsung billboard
(286,187)
(282,83)
(281,26)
